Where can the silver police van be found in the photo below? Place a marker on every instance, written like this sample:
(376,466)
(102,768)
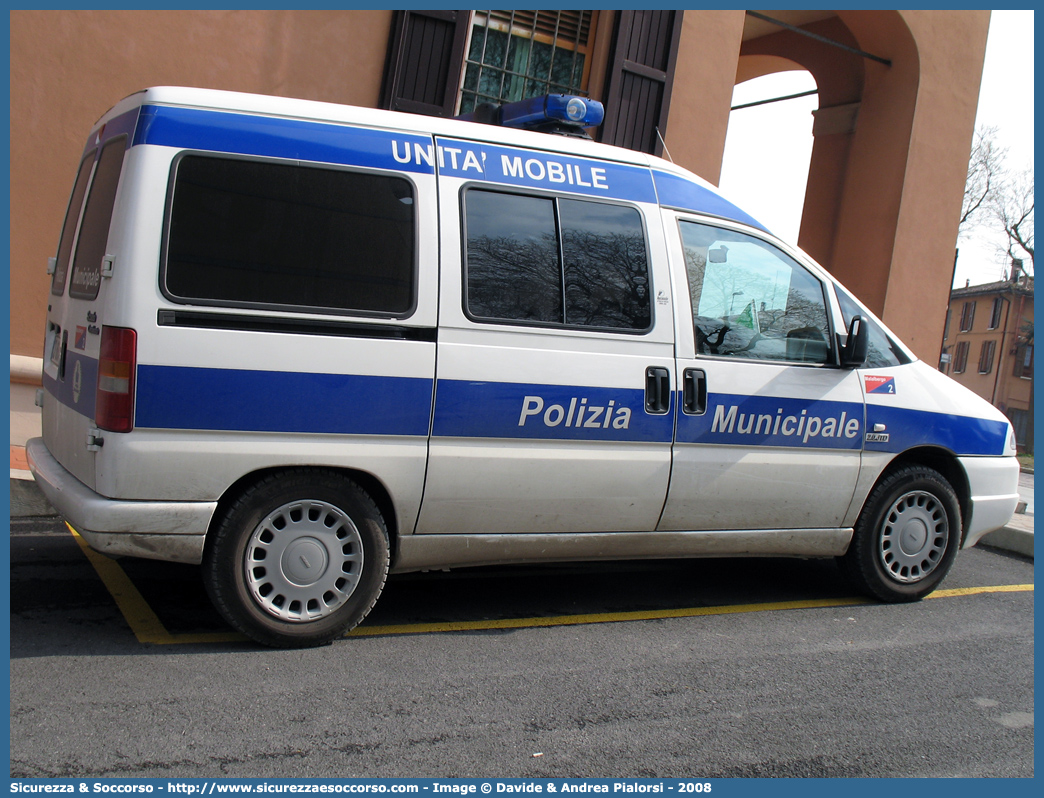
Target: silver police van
(305,345)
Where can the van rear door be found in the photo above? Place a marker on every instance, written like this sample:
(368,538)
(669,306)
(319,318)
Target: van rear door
(75,317)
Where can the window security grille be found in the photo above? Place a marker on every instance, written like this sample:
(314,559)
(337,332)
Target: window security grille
(513,55)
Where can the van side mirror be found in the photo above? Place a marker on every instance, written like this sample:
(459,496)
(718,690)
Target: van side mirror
(854,353)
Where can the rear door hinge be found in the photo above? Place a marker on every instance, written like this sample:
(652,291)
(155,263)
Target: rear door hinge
(94,440)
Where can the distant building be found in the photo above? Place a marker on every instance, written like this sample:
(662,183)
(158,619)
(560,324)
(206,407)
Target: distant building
(988,346)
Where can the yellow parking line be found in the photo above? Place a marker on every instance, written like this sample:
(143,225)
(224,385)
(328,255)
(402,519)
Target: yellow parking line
(145,624)
(650,615)
(972,591)
(148,628)
(602,617)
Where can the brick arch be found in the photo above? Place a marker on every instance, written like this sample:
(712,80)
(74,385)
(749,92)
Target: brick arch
(887,172)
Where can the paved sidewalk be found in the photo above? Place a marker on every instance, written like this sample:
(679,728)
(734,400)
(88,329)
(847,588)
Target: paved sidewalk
(26,500)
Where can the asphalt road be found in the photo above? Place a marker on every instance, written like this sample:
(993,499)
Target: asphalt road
(943,687)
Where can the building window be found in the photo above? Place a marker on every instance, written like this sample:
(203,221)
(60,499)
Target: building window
(1024,362)
(946,325)
(1020,424)
(960,357)
(995,316)
(967,316)
(986,356)
(513,55)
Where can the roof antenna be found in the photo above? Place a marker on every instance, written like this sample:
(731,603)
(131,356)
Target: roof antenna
(663,144)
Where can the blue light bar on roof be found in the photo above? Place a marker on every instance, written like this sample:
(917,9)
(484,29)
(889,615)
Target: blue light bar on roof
(562,108)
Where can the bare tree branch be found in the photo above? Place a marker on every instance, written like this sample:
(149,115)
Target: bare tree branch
(985,171)
(1013,207)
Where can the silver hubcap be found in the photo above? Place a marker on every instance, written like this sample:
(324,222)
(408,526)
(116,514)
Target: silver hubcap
(914,536)
(304,561)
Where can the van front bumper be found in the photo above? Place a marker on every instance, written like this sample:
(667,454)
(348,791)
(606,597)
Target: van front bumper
(994,483)
(171,531)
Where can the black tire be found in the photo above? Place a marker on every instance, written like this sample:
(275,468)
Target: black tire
(298,559)
(907,536)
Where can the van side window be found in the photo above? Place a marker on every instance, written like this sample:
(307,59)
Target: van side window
(97,216)
(72,216)
(751,300)
(259,234)
(882,351)
(556,261)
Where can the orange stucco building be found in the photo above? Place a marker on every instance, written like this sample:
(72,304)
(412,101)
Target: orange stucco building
(897,101)
(988,346)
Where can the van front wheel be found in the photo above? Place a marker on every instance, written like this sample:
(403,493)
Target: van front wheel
(298,559)
(907,536)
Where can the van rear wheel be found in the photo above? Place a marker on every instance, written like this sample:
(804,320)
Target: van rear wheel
(298,559)
(907,536)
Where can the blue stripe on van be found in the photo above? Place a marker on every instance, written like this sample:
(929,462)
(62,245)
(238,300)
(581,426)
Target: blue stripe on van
(675,191)
(273,137)
(738,420)
(321,142)
(124,124)
(170,397)
(962,435)
(471,409)
(176,397)
(79,388)
(554,171)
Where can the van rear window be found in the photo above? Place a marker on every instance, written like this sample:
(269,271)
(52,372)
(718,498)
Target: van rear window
(72,216)
(97,216)
(260,234)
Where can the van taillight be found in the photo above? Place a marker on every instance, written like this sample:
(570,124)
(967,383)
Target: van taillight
(114,407)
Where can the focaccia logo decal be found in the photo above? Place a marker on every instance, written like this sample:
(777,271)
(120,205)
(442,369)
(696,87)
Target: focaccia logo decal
(879,384)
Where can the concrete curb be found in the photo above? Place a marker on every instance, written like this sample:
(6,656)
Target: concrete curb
(1012,539)
(28,501)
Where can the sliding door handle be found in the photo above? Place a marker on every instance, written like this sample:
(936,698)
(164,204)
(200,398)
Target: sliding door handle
(694,385)
(657,390)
